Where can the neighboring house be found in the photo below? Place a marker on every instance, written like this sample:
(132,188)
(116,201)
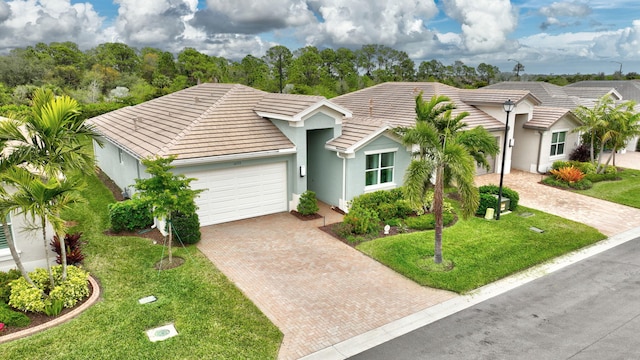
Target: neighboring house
(255,153)
(628,89)
(585,93)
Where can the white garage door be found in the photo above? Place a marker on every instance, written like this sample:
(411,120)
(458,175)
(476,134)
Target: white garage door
(240,192)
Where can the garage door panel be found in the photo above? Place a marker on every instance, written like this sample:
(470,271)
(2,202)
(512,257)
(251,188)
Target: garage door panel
(239,193)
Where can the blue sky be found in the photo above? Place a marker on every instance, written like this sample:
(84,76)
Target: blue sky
(559,37)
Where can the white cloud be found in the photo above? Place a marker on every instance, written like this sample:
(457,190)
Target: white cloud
(358,22)
(152,23)
(32,21)
(565,10)
(485,23)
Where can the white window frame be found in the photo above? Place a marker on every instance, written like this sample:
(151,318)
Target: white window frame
(564,144)
(381,186)
(5,253)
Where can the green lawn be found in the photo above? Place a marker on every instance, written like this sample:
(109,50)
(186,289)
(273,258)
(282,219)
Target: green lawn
(214,320)
(625,191)
(482,250)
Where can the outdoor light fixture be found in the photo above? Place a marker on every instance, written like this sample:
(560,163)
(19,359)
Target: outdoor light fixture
(508,107)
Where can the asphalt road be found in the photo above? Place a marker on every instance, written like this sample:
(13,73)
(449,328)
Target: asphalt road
(588,310)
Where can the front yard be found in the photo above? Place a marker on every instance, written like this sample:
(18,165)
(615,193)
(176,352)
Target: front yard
(625,191)
(482,250)
(212,317)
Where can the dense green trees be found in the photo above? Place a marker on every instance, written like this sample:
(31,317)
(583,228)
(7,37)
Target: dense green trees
(89,76)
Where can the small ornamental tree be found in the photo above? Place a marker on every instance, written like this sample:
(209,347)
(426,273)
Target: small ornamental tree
(308,203)
(166,192)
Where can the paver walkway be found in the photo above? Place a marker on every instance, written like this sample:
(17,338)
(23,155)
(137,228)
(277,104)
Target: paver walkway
(315,289)
(609,218)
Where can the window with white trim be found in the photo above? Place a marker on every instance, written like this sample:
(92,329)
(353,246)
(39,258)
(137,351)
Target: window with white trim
(379,168)
(557,143)
(3,239)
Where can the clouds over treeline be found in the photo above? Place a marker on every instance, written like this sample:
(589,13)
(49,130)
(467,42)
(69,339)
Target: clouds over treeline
(235,28)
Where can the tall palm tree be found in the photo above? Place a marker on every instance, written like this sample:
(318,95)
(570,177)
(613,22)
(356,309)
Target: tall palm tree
(42,200)
(594,121)
(446,154)
(51,142)
(624,125)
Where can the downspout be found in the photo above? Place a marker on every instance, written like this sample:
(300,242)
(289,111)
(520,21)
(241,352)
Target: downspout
(541,132)
(344,182)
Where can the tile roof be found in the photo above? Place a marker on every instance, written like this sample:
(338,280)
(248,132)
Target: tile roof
(356,130)
(393,104)
(548,94)
(544,117)
(629,89)
(201,121)
(286,104)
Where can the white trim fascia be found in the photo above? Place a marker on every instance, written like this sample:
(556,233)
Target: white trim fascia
(231,157)
(372,152)
(353,148)
(120,146)
(300,116)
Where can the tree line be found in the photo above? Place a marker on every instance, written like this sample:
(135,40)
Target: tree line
(119,74)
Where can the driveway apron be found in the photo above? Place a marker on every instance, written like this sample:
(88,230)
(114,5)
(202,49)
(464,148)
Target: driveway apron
(608,217)
(316,289)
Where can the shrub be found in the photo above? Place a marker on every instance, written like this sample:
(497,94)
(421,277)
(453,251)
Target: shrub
(387,211)
(600,177)
(364,221)
(581,153)
(583,184)
(569,174)
(403,208)
(5,279)
(73,247)
(44,298)
(559,164)
(308,204)
(486,201)
(428,221)
(512,195)
(374,199)
(343,229)
(12,318)
(585,167)
(610,169)
(130,215)
(552,181)
(186,227)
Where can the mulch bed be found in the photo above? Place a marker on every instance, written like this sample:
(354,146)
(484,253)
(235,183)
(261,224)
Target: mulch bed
(38,318)
(305,217)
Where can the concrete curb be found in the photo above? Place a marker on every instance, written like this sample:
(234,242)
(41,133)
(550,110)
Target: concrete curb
(95,295)
(375,337)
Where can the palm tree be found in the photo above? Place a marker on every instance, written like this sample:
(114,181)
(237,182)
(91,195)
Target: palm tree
(50,142)
(43,200)
(593,121)
(624,125)
(447,154)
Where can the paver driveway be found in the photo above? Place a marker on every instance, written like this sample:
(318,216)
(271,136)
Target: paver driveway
(316,289)
(608,217)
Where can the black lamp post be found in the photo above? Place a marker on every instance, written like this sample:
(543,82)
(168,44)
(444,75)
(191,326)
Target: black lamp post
(508,107)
